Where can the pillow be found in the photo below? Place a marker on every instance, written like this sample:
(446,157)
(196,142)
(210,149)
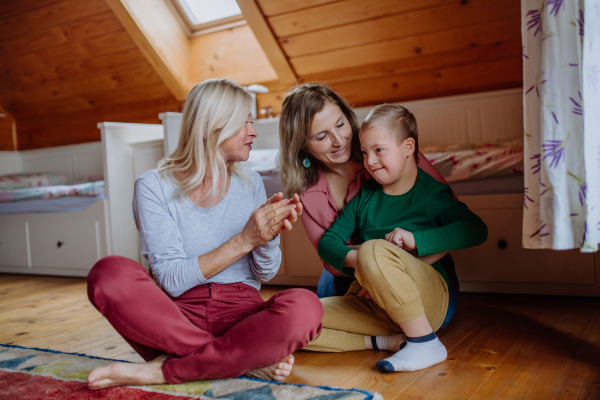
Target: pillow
(20,181)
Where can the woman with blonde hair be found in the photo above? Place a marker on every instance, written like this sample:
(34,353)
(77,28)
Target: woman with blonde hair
(211,237)
(321,159)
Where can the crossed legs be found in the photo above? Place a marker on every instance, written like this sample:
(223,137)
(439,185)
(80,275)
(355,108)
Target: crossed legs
(412,298)
(216,331)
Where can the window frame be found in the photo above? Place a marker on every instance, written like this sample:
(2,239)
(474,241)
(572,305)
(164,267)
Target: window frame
(206,27)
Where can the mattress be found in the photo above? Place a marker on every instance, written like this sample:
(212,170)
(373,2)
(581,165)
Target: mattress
(90,189)
(21,195)
(54,205)
(475,162)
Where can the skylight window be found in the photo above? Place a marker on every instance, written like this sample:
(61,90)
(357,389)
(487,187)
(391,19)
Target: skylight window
(203,16)
(202,11)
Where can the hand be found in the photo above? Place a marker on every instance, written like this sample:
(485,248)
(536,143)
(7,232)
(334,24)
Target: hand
(267,221)
(402,238)
(295,200)
(364,293)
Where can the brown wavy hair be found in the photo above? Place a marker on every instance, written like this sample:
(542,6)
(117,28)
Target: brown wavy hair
(299,108)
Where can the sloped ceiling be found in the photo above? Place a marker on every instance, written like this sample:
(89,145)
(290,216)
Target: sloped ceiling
(391,50)
(68,64)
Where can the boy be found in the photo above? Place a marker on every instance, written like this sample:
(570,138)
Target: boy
(401,215)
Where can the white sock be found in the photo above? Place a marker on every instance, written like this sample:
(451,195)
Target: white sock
(388,342)
(419,353)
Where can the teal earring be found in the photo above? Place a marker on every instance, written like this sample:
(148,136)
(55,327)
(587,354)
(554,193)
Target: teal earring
(306,162)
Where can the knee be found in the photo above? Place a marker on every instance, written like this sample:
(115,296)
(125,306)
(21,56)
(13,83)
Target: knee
(374,253)
(108,275)
(303,311)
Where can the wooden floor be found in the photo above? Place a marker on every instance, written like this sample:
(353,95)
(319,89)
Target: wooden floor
(499,346)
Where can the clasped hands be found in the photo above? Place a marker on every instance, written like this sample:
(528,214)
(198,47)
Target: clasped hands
(270,219)
(402,238)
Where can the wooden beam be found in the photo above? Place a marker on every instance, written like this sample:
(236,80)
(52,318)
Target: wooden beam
(267,41)
(167,52)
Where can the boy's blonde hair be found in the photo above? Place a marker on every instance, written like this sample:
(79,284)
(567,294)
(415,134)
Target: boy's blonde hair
(214,111)
(396,121)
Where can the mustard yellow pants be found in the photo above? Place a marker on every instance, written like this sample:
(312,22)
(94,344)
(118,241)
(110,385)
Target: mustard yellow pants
(403,287)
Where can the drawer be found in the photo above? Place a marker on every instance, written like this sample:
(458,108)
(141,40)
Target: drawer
(70,244)
(503,259)
(13,242)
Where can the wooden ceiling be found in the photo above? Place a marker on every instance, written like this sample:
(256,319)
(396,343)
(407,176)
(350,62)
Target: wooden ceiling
(391,50)
(69,64)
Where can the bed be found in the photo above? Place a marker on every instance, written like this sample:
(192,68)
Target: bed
(52,210)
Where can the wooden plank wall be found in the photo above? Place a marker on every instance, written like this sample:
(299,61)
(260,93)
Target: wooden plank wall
(390,50)
(69,64)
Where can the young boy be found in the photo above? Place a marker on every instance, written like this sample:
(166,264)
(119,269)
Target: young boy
(401,216)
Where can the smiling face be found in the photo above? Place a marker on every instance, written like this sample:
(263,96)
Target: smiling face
(330,136)
(237,147)
(387,161)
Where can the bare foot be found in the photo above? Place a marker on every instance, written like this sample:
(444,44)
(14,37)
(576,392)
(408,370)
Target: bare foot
(124,374)
(275,372)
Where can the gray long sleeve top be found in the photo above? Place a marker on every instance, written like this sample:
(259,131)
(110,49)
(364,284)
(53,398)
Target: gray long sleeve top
(174,232)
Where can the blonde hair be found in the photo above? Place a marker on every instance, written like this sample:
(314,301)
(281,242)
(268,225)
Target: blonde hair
(396,121)
(299,108)
(214,111)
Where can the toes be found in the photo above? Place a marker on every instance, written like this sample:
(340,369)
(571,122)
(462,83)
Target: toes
(290,359)
(284,366)
(101,384)
(280,375)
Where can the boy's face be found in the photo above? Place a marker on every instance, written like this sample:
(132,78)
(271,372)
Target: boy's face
(385,159)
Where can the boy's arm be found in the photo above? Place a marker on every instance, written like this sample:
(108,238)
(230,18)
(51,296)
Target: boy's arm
(459,227)
(332,248)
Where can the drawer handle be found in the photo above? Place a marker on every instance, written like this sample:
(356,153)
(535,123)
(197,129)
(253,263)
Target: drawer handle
(59,244)
(502,244)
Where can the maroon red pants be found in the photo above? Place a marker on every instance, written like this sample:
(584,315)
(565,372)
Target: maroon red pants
(210,331)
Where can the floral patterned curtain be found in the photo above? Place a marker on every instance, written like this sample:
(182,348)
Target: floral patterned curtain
(561,99)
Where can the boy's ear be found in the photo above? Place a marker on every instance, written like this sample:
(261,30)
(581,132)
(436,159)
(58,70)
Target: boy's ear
(409,144)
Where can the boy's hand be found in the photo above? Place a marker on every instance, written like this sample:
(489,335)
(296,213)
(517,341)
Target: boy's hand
(401,238)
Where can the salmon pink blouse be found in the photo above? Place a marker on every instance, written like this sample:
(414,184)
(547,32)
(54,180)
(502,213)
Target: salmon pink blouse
(319,210)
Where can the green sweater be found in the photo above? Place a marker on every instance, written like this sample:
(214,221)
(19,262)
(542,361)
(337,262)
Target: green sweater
(428,210)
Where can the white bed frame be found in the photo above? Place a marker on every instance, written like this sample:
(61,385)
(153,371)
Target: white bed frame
(54,243)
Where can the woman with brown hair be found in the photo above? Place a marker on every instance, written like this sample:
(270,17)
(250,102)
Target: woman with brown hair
(210,237)
(321,159)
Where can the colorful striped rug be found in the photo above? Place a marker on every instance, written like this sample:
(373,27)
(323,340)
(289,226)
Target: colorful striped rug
(31,373)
